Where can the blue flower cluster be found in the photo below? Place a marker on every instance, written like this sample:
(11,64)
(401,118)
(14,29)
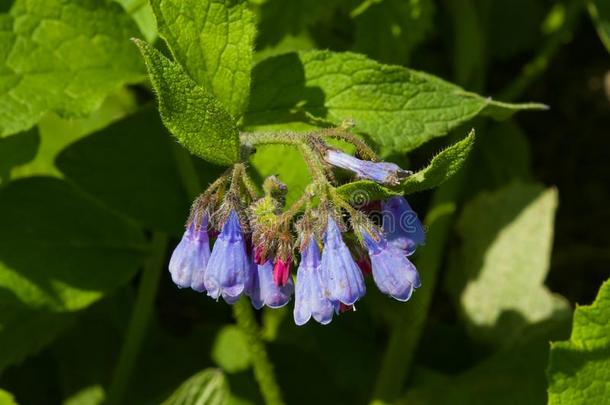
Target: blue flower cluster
(328,279)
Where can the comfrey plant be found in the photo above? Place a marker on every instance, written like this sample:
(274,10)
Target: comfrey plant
(333,244)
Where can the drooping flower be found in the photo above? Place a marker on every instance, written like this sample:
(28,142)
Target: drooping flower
(380,172)
(262,289)
(393,273)
(310,300)
(401,226)
(190,258)
(341,277)
(229,266)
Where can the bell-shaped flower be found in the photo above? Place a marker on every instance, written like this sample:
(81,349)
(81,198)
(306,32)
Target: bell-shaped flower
(401,226)
(264,291)
(393,273)
(190,258)
(229,266)
(341,277)
(309,299)
(380,172)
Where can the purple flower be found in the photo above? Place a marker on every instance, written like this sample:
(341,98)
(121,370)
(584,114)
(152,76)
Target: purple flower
(401,226)
(380,172)
(393,273)
(341,277)
(309,298)
(190,258)
(228,269)
(263,290)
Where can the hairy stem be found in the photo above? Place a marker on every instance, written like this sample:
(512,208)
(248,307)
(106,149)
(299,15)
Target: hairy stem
(140,318)
(263,369)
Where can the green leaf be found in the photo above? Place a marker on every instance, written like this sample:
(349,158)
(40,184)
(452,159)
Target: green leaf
(579,369)
(397,108)
(59,252)
(206,387)
(507,237)
(514,375)
(142,13)
(442,167)
(213,40)
(56,133)
(230,350)
(62,56)
(141,180)
(389,30)
(17,150)
(192,115)
(600,13)
(6,398)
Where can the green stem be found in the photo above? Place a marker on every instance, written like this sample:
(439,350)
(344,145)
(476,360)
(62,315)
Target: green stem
(140,318)
(407,329)
(263,369)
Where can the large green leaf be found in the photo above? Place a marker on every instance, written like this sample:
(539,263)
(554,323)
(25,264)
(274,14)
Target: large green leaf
(579,369)
(206,387)
(398,108)
(62,56)
(59,252)
(193,116)
(213,40)
(142,179)
(504,258)
(600,13)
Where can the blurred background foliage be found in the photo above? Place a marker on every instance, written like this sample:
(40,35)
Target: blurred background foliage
(524,236)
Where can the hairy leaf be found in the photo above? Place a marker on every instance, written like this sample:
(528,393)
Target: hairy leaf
(206,387)
(214,41)
(507,237)
(56,257)
(62,56)
(442,167)
(398,108)
(579,369)
(193,116)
